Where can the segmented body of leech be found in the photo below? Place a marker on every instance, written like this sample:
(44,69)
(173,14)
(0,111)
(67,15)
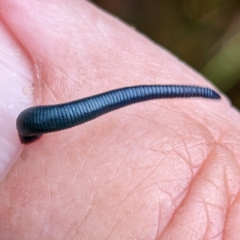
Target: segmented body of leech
(35,121)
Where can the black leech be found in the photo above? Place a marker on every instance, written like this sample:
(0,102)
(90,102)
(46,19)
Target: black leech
(35,121)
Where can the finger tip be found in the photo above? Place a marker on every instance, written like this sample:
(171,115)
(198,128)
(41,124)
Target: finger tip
(16,93)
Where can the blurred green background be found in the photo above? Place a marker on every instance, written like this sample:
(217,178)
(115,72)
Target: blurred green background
(203,33)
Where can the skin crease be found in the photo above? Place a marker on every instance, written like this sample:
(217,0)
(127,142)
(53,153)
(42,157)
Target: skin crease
(165,169)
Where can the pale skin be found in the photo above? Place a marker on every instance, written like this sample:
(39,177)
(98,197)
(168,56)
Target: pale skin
(165,169)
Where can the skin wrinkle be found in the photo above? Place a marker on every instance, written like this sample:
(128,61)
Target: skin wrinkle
(113,177)
(207,231)
(200,125)
(188,163)
(70,234)
(213,141)
(91,148)
(233,196)
(52,91)
(212,183)
(205,236)
(37,92)
(225,222)
(229,212)
(127,144)
(113,228)
(128,141)
(158,225)
(89,211)
(145,118)
(213,205)
(186,150)
(47,213)
(230,145)
(192,231)
(167,196)
(49,91)
(229,202)
(77,229)
(173,213)
(188,190)
(193,120)
(122,146)
(191,164)
(187,160)
(130,193)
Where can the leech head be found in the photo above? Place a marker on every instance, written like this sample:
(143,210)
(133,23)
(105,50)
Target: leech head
(25,120)
(27,139)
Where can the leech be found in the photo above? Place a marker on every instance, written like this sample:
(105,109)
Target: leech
(35,121)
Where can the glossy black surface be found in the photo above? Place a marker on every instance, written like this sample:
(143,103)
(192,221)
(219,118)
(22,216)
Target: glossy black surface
(35,121)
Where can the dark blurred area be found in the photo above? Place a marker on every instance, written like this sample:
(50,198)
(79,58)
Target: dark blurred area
(203,33)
